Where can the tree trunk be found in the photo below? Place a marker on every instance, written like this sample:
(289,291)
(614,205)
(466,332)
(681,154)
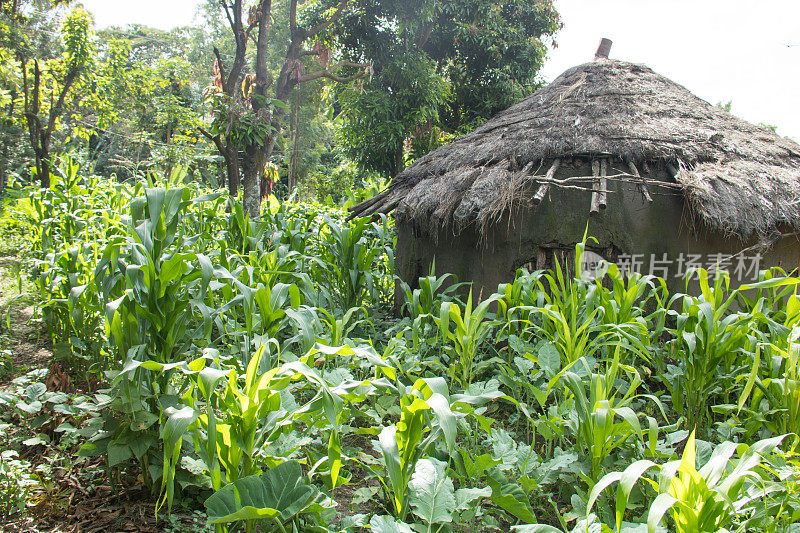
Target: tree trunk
(3,180)
(253,166)
(44,177)
(41,134)
(231,156)
(293,160)
(42,154)
(256,154)
(399,161)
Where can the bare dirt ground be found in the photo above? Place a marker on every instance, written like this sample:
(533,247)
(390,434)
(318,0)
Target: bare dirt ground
(24,343)
(27,340)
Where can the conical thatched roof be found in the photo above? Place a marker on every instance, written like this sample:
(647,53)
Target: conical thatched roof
(738,177)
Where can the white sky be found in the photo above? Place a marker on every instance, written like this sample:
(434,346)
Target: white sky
(162,14)
(719,49)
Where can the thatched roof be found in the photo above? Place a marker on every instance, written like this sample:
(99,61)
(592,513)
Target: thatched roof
(738,177)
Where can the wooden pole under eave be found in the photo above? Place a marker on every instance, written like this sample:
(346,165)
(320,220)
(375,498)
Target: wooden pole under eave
(595,207)
(673,171)
(603,183)
(600,186)
(643,182)
(527,168)
(541,258)
(539,196)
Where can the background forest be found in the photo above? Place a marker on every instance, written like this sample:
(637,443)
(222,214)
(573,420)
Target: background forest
(373,88)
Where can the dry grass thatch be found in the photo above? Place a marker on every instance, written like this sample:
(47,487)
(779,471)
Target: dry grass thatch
(740,178)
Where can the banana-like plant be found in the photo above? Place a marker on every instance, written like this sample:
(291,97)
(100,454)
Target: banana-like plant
(429,416)
(774,391)
(520,300)
(339,329)
(625,302)
(699,501)
(350,258)
(147,280)
(425,300)
(708,337)
(570,313)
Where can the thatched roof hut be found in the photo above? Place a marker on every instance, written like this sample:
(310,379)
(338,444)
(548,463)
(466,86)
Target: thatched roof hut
(598,130)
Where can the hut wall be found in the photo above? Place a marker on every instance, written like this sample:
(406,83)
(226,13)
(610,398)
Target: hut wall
(630,231)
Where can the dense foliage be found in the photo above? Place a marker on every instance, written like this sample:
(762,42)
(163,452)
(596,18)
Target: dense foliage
(441,69)
(253,368)
(260,366)
(272,95)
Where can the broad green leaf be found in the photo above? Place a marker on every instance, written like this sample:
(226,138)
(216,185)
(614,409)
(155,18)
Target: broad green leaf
(387,524)
(446,419)
(195,466)
(118,453)
(394,466)
(177,424)
(278,493)
(510,496)
(29,408)
(751,380)
(535,528)
(464,497)
(34,391)
(549,359)
(660,505)
(208,379)
(432,493)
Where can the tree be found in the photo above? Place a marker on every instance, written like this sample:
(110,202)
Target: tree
(140,111)
(13,8)
(24,32)
(441,68)
(57,80)
(250,109)
(10,101)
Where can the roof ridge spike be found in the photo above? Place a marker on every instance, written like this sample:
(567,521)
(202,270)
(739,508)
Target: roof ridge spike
(604,49)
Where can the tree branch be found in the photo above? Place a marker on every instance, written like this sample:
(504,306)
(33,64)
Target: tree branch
(216,139)
(36,94)
(293,17)
(230,83)
(24,65)
(34,120)
(262,46)
(237,21)
(227,8)
(426,33)
(325,24)
(219,62)
(70,78)
(328,73)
